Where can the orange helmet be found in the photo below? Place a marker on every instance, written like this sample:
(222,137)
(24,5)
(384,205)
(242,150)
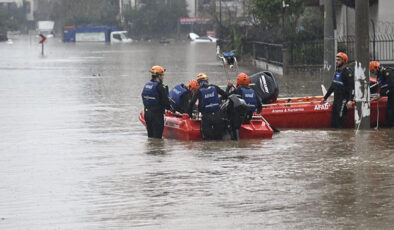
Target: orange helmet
(157,70)
(344,57)
(374,66)
(201,77)
(193,84)
(243,79)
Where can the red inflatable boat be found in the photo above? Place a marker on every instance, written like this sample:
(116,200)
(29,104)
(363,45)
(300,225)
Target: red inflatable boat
(180,126)
(308,112)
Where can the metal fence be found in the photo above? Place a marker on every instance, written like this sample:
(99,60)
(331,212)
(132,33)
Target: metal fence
(312,52)
(309,53)
(381,47)
(269,52)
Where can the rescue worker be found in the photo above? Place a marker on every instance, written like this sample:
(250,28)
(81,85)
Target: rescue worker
(155,99)
(385,77)
(180,96)
(212,124)
(343,87)
(238,116)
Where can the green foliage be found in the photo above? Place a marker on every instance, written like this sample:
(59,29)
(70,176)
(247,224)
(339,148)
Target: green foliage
(311,25)
(95,12)
(3,17)
(12,17)
(155,17)
(271,14)
(268,12)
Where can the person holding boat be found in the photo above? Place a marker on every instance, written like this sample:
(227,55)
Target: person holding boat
(343,88)
(385,77)
(180,96)
(238,111)
(212,124)
(155,100)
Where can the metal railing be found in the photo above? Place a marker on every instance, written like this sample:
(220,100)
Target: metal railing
(269,52)
(312,52)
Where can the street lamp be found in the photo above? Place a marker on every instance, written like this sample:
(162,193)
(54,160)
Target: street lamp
(284,6)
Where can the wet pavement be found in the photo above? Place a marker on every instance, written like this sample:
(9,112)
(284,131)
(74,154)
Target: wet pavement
(73,154)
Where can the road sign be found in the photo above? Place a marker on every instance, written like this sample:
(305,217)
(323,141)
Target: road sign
(43,38)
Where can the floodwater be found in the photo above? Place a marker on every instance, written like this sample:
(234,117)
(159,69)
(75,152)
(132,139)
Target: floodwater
(73,154)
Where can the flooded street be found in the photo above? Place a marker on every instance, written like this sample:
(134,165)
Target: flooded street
(73,154)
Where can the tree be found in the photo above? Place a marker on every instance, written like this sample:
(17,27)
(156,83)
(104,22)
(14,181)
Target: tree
(12,17)
(155,17)
(95,12)
(279,13)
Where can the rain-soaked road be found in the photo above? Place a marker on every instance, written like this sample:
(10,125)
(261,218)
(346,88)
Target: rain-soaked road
(73,154)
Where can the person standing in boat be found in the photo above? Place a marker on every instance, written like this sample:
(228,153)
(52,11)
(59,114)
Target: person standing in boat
(155,99)
(238,115)
(385,77)
(180,96)
(343,88)
(212,124)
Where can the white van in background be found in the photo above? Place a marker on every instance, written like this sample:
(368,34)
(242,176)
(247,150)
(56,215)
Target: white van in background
(120,36)
(46,28)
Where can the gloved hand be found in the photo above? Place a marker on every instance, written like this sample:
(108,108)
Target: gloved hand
(349,104)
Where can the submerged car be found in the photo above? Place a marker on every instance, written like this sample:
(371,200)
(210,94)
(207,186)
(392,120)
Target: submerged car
(201,39)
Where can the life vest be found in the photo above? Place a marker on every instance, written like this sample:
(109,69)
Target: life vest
(388,74)
(382,82)
(150,96)
(250,98)
(175,95)
(210,100)
(338,78)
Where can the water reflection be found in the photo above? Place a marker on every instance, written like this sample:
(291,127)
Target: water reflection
(155,146)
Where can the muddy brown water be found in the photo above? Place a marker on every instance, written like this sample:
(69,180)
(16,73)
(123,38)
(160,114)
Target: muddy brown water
(73,154)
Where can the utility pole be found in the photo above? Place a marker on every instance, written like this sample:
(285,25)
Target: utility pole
(220,19)
(121,17)
(361,70)
(285,46)
(329,42)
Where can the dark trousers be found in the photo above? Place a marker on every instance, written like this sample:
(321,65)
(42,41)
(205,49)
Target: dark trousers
(212,126)
(154,123)
(237,117)
(390,109)
(338,111)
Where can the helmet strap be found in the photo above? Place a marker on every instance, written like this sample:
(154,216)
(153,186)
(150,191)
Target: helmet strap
(157,78)
(203,82)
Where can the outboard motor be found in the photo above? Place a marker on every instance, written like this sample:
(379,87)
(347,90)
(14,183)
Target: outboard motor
(265,86)
(238,104)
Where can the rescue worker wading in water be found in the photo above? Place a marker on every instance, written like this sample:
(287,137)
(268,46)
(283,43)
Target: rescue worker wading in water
(238,116)
(343,87)
(180,96)
(155,99)
(212,125)
(385,76)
